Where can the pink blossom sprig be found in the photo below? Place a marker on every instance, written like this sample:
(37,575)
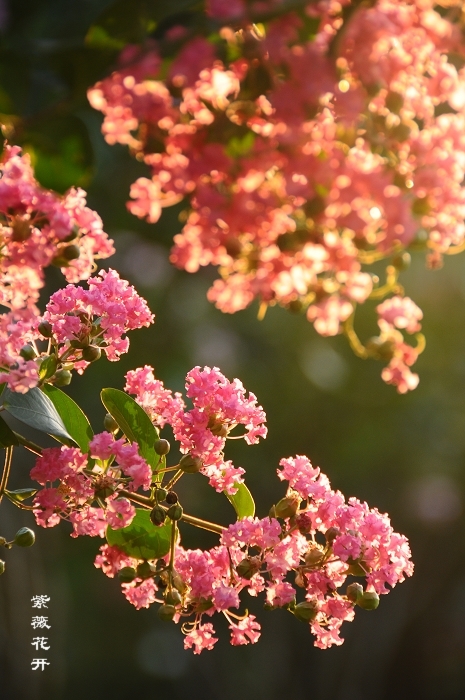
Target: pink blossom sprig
(303,558)
(302,161)
(219,407)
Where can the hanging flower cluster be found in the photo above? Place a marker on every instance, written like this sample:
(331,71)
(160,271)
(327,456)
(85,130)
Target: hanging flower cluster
(305,149)
(38,228)
(303,557)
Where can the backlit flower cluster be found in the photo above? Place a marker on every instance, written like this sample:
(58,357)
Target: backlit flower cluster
(78,324)
(307,556)
(307,560)
(38,228)
(306,148)
(219,406)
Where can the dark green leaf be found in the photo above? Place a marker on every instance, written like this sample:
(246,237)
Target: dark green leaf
(36,410)
(141,539)
(48,367)
(20,495)
(134,422)
(242,502)
(74,419)
(7,436)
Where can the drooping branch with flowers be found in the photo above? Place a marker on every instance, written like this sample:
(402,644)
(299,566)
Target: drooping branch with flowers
(119,485)
(307,142)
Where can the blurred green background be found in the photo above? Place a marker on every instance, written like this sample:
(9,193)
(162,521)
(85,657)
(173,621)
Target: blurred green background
(403,454)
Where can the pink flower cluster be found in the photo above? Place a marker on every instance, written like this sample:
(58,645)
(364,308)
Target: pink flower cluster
(219,407)
(312,552)
(38,228)
(304,160)
(80,485)
(110,302)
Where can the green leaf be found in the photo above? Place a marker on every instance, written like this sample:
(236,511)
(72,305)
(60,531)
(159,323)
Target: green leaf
(142,539)
(7,436)
(20,495)
(134,422)
(74,419)
(48,367)
(36,410)
(242,501)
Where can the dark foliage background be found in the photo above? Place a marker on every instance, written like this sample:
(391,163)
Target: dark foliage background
(404,454)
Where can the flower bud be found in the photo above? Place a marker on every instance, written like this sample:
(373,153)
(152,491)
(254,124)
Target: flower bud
(110,424)
(354,592)
(306,611)
(368,601)
(304,523)
(80,344)
(394,101)
(175,512)
(91,353)
(160,495)
(313,556)
(2,567)
(157,516)
(127,574)
(173,597)
(190,464)
(248,567)
(162,447)
(25,537)
(62,377)
(71,252)
(287,507)
(21,229)
(104,492)
(171,498)
(27,352)
(45,329)
(2,541)
(145,570)
(331,534)
(166,612)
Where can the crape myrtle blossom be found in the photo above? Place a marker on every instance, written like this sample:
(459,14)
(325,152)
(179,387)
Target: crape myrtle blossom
(79,324)
(301,160)
(38,228)
(309,554)
(219,406)
(301,557)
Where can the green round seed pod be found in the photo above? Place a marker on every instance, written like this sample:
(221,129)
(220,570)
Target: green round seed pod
(27,352)
(354,592)
(394,101)
(2,567)
(45,329)
(110,424)
(306,611)
(166,612)
(127,574)
(173,597)
(25,537)
(248,567)
(160,494)
(62,377)
(157,516)
(79,344)
(162,447)
(368,601)
(91,353)
(71,252)
(145,570)
(190,464)
(287,507)
(175,512)
(171,498)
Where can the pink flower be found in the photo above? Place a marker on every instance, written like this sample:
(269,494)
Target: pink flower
(141,595)
(400,312)
(200,638)
(89,521)
(119,513)
(245,631)
(111,560)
